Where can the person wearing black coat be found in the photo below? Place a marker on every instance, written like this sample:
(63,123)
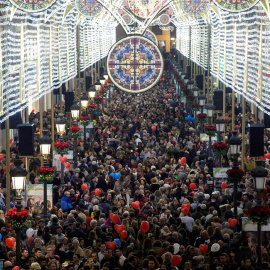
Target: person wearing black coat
(101,184)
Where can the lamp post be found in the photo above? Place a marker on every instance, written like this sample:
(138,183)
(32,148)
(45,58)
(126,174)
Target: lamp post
(195,91)
(75,114)
(61,128)
(235,145)
(106,76)
(201,99)
(102,80)
(259,174)
(210,109)
(98,86)
(91,92)
(45,143)
(18,176)
(220,125)
(84,103)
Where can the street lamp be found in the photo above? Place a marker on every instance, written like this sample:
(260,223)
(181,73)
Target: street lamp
(45,143)
(102,80)
(259,174)
(201,99)
(235,144)
(60,125)
(18,176)
(98,86)
(84,101)
(91,92)
(220,124)
(75,111)
(210,107)
(106,76)
(195,91)
(61,128)
(189,84)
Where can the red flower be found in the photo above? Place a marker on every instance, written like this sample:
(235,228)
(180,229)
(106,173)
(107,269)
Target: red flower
(201,115)
(109,81)
(220,145)
(75,129)
(102,92)
(235,173)
(212,128)
(92,106)
(98,98)
(59,145)
(85,118)
(106,86)
(194,105)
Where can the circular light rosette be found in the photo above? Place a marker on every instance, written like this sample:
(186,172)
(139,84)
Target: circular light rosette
(135,64)
(32,5)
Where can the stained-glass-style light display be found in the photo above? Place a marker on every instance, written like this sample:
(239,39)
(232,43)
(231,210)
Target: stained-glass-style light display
(164,19)
(236,6)
(127,19)
(195,7)
(89,8)
(150,35)
(143,8)
(135,64)
(32,6)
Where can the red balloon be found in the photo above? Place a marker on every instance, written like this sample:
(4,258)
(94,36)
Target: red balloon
(10,242)
(2,157)
(144,226)
(67,165)
(183,160)
(10,140)
(114,218)
(169,134)
(135,205)
(63,159)
(111,245)
(237,126)
(124,234)
(167,95)
(119,228)
(5,168)
(176,260)
(227,118)
(136,154)
(185,210)
(16,268)
(76,196)
(186,206)
(164,100)
(97,191)
(232,222)
(192,186)
(84,187)
(154,128)
(223,185)
(203,248)
(30,239)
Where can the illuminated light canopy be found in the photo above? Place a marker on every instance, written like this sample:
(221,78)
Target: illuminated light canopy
(89,8)
(32,6)
(135,64)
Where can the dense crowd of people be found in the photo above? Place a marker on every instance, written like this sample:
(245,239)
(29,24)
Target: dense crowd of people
(134,171)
